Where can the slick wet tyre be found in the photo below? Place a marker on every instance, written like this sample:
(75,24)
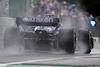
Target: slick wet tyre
(67,40)
(13,39)
(83,42)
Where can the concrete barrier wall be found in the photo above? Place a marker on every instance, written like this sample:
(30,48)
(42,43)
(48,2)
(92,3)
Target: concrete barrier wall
(96,39)
(5,23)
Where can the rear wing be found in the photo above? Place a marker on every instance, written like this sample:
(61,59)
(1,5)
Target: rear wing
(31,21)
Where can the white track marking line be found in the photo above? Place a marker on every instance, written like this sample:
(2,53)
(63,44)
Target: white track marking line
(50,59)
(31,61)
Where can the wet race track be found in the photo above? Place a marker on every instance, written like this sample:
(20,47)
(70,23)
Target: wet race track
(51,58)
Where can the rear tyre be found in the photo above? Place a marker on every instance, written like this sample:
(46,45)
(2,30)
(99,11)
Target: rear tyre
(13,39)
(67,40)
(84,42)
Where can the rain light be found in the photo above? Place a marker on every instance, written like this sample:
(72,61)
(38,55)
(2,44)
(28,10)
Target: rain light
(93,23)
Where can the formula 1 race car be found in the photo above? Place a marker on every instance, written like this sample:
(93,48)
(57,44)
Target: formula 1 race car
(46,34)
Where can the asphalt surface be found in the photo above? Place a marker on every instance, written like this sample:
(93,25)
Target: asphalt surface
(50,58)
